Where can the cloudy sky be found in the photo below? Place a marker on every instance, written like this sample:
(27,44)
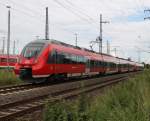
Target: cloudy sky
(127,30)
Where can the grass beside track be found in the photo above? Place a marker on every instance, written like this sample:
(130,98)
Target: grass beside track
(129,101)
(7,77)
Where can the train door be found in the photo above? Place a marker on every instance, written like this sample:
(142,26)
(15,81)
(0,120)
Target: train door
(55,61)
(87,66)
(52,61)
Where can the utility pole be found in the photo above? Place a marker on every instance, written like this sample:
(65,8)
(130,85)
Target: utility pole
(139,50)
(14,47)
(148,10)
(101,33)
(108,47)
(8,36)
(47,26)
(76,40)
(37,37)
(3,49)
(139,56)
(115,50)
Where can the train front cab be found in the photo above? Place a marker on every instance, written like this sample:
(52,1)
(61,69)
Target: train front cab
(31,62)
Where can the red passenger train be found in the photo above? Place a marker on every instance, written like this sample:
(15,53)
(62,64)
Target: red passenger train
(46,59)
(11,61)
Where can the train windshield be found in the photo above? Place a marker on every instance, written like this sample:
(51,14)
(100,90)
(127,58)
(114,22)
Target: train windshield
(32,50)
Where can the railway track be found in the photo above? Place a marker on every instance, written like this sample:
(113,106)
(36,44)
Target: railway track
(17,108)
(22,87)
(17,88)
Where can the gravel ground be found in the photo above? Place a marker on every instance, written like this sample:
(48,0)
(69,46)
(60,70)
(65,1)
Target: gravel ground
(38,115)
(40,91)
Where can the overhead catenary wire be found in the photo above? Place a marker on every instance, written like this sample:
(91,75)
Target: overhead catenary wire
(80,10)
(36,19)
(70,10)
(76,13)
(23,12)
(26,7)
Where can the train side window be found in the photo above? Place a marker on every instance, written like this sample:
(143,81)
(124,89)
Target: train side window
(106,64)
(52,57)
(109,64)
(102,64)
(96,63)
(84,60)
(12,60)
(88,63)
(74,59)
(99,63)
(79,59)
(60,57)
(71,59)
(112,65)
(92,63)
(67,58)
(3,60)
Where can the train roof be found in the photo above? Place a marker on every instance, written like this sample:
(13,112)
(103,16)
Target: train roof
(56,42)
(52,41)
(105,56)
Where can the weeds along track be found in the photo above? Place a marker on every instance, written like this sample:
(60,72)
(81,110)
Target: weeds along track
(35,99)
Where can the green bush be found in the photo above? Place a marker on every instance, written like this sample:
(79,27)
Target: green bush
(128,101)
(68,111)
(7,77)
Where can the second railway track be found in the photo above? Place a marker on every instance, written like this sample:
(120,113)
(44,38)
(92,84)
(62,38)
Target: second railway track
(13,109)
(17,88)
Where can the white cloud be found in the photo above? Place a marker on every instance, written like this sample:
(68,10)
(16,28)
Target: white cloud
(28,17)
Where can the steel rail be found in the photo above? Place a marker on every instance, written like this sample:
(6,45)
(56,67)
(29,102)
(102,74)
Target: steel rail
(14,88)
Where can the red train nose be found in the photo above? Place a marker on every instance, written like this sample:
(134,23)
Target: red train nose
(25,61)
